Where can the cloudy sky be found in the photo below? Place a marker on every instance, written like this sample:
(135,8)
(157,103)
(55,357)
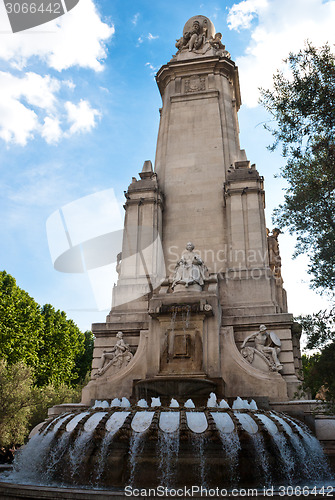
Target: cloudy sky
(79,115)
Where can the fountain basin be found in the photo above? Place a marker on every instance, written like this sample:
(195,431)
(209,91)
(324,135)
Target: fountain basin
(171,446)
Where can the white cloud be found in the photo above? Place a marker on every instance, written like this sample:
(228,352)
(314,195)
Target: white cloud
(241,14)
(152,37)
(51,130)
(135,18)
(81,116)
(151,67)
(75,39)
(148,37)
(31,104)
(280,27)
(17,121)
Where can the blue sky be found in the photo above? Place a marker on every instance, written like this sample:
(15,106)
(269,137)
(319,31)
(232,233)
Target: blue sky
(79,114)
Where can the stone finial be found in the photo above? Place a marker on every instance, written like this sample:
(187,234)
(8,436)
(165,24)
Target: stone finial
(147,170)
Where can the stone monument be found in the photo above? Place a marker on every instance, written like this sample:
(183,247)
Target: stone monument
(193,320)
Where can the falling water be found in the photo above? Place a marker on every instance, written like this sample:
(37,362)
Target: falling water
(212,401)
(173,320)
(186,317)
(113,424)
(29,465)
(198,444)
(308,451)
(135,449)
(103,454)
(231,446)
(284,450)
(168,448)
(262,461)
(54,463)
(77,451)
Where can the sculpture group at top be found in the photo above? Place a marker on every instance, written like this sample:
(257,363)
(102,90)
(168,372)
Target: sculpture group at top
(199,37)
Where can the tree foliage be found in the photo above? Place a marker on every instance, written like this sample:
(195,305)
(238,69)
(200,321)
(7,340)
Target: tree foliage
(43,359)
(83,362)
(303,106)
(41,337)
(62,343)
(16,402)
(23,405)
(319,328)
(48,396)
(319,374)
(21,323)
(319,368)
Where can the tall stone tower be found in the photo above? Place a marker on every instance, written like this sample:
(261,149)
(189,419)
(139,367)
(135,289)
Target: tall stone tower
(213,316)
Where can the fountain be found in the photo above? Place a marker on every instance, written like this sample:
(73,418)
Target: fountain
(141,446)
(199,356)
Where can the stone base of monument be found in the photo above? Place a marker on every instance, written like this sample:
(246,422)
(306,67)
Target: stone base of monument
(183,389)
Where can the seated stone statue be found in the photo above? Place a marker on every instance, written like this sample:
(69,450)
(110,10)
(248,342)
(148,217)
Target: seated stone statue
(190,269)
(217,44)
(192,39)
(118,357)
(267,346)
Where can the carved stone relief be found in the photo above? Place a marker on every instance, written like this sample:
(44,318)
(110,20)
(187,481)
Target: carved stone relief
(115,359)
(195,84)
(265,351)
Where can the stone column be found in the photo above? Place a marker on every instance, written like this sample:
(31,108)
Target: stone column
(141,268)
(197,143)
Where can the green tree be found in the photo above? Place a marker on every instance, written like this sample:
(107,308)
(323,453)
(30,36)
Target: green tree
(61,345)
(83,362)
(21,324)
(48,396)
(319,373)
(319,328)
(319,368)
(23,405)
(16,402)
(42,337)
(302,105)
(312,382)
